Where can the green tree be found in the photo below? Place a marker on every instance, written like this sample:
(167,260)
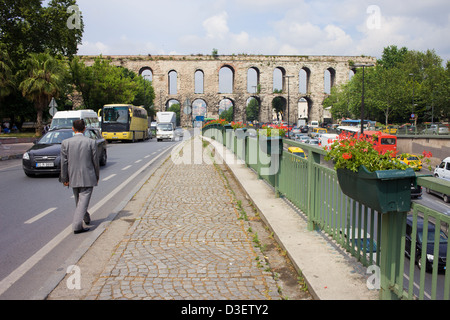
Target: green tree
(176,108)
(227,114)
(42,79)
(252,110)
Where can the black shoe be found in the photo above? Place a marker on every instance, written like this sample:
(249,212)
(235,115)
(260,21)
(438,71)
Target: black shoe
(81,230)
(87,218)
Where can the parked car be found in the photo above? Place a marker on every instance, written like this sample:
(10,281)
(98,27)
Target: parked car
(297,151)
(442,171)
(304,129)
(411,160)
(443,240)
(416,191)
(44,156)
(303,139)
(315,142)
(436,129)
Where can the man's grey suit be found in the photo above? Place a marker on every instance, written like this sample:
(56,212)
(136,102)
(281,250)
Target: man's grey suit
(80,167)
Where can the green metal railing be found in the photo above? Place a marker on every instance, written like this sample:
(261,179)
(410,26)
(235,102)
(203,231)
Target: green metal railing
(374,239)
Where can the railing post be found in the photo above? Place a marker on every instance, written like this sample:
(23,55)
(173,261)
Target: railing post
(392,231)
(313,158)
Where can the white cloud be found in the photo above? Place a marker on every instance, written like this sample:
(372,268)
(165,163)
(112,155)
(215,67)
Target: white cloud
(216,26)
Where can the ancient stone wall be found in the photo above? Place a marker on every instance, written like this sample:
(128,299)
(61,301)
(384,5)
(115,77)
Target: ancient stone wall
(186,66)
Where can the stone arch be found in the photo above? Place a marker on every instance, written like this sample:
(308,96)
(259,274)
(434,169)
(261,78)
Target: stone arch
(329,80)
(146,71)
(304,107)
(199,82)
(304,77)
(278,78)
(253,78)
(226,79)
(199,108)
(351,73)
(248,114)
(170,102)
(172,82)
(224,104)
(279,108)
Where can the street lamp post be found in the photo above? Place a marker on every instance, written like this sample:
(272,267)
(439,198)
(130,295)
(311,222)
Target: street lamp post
(288,118)
(362,94)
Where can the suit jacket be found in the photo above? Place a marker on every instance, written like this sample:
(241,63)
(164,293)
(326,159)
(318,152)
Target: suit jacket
(79,162)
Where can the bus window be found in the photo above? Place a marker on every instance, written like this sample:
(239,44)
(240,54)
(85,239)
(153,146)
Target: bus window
(388,141)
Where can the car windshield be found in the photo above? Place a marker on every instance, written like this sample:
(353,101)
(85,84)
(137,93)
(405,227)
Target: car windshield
(55,137)
(63,122)
(413,158)
(431,233)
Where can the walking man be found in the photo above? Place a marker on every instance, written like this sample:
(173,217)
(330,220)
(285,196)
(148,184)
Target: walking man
(80,170)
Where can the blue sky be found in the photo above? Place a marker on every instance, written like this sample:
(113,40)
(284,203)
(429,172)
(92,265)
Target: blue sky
(271,27)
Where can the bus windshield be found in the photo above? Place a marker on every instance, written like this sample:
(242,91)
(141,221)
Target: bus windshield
(115,115)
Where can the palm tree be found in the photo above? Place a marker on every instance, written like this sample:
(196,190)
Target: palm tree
(42,79)
(6,74)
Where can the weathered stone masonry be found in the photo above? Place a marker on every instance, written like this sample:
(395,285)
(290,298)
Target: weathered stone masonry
(186,66)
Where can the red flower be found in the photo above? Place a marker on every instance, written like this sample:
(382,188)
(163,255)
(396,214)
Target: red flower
(427,154)
(347,156)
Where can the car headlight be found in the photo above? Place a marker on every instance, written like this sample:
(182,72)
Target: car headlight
(430,257)
(26,156)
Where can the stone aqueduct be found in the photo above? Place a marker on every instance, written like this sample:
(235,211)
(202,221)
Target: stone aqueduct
(187,68)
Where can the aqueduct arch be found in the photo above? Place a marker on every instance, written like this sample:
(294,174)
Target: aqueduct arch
(305,72)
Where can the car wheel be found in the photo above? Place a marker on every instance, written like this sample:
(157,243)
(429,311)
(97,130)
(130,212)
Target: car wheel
(103,158)
(446,198)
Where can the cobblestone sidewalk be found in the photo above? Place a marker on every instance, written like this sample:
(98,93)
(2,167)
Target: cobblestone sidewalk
(188,244)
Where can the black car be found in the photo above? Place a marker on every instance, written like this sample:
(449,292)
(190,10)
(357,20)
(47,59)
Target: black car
(416,191)
(443,239)
(44,156)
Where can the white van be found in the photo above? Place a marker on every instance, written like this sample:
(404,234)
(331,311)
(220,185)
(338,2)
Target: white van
(314,124)
(64,119)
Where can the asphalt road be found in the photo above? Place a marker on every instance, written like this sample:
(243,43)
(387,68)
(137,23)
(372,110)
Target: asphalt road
(36,239)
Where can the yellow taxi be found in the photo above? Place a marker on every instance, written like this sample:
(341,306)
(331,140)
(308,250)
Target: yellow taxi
(411,160)
(297,151)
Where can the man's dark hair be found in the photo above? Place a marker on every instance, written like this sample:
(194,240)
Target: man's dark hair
(79,125)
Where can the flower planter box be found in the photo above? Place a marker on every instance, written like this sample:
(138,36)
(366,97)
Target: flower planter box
(271,145)
(385,190)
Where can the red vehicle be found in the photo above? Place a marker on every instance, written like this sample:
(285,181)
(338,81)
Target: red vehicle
(383,142)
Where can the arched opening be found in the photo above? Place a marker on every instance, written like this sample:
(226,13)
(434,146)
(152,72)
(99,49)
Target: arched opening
(279,109)
(278,80)
(329,79)
(174,106)
(303,83)
(351,73)
(252,109)
(199,82)
(173,85)
(146,73)
(199,108)
(226,79)
(253,80)
(226,109)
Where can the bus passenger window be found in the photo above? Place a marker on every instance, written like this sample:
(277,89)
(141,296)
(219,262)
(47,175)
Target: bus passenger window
(388,141)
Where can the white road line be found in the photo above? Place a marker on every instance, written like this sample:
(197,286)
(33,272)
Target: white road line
(18,273)
(110,177)
(39,216)
(126,168)
(138,161)
(147,157)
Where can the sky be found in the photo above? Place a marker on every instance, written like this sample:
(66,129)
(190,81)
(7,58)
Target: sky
(268,27)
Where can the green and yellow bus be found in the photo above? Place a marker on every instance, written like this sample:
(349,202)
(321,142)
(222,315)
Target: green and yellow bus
(124,122)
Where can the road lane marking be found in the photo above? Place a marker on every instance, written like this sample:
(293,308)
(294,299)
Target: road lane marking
(126,168)
(39,216)
(20,271)
(110,177)
(137,161)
